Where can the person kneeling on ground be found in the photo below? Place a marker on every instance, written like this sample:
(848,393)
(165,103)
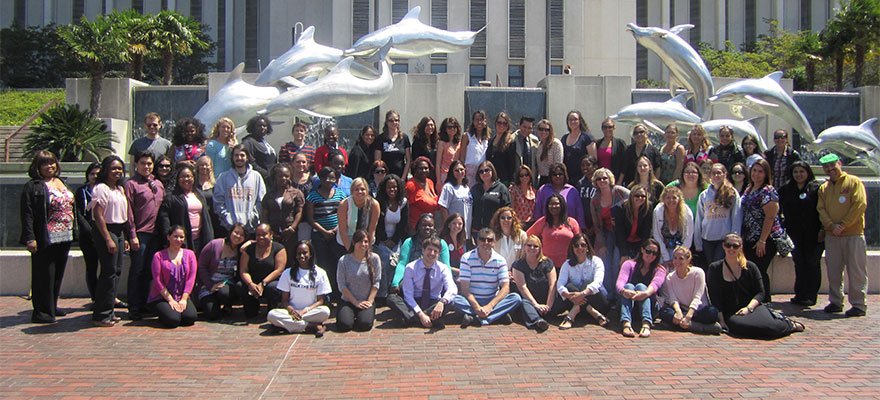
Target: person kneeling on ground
(485,285)
(358,274)
(302,293)
(427,287)
(174,274)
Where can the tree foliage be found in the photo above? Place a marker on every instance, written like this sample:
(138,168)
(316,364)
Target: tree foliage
(70,133)
(175,36)
(31,58)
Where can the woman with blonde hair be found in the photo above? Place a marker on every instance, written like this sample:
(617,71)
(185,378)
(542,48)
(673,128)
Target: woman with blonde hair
(673,223)
(683,300)
(219,148)
(549,150)
(509,234)
(698,145)
(535,279)
(645,178)
(358,211)
(608,195)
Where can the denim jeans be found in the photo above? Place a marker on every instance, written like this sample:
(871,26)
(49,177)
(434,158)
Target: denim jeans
(140,272)
(612,265)
(706,314)
(713,250)
(643,306)
(387,268)
(506,305)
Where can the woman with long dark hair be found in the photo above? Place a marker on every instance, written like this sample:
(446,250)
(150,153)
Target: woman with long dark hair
(47,229)
(555,229)
(392,228)
(488,195)
(301,179)
(425,140)
(453,233)
(609,150)
(185,206)
(448,149)
(358,273)
(549,150)
(113,222)
(761,224)
(81,198)
(645,178)
(455,197)
(188,140)
(394,147)
(523,197)
(799,198)
(322,205)
(638,283)
(576,144)
(361,154)
(581,283)
(174,275)
(303,288)
(217,273)
(502,150)
(727,151)
(475,144)
(641,147)
(632,223)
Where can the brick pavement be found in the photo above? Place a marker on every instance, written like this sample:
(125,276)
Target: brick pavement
(834,358)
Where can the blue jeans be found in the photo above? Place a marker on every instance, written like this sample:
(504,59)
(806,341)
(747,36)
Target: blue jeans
(706,314)
(644,306)
(506,305)
(713,250)
(140,272)
(612,265)
(387,268)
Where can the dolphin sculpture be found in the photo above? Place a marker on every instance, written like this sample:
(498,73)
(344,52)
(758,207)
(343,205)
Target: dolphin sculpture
(412,38)
(237,100)
(765,96)
(852,141)
(685,65)
(740,129)
(657,115)
(336,94)
(308,58)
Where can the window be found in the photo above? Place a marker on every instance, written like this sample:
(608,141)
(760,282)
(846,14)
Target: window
(641,51)
(751,21)
(806,15)
(555,70)
(438,68)
(439,17)
(515,75)
(252,22)
(478,73)
(696,9)
(221,34)
(557,29)
(478,21)
(516,29)
(403,68)
(399,8)
(360,19)
(137,5)
(195,10)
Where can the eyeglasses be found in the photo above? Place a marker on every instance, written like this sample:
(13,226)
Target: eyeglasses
(379,171)
(640,196)
(607,126)
(164,165)
(777,137)
(501,122)
(505,218)
(485,170)
(486,240)
(557,174)
(731,245)
(651,252)
(738,172)
(152,125)
(640,132)
(581,245)
(601,178)
(394,120)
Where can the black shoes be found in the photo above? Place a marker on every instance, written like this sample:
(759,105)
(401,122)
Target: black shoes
(802,302)
(833,308)
(542,325)
(466,320)
(855,312)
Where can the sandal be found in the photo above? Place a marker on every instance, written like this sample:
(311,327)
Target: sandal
(566,323)
(797,326)
(646,331)
(628,331)
(601,320)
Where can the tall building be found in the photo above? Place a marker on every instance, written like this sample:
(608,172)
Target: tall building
(523,40)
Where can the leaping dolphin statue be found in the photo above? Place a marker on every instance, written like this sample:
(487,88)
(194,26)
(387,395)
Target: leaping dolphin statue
(237,100)
(308,58)
(740,129)
(657,115)
(685,65)
(412,38)
(765,96)
(853,141)
(336,94)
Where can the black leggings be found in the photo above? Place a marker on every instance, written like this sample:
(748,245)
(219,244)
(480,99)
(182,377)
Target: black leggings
(212,304)
(172,319)
(350,317)
(47,271)
(763,263)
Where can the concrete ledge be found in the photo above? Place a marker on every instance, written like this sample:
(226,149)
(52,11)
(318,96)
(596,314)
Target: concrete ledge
(15,274)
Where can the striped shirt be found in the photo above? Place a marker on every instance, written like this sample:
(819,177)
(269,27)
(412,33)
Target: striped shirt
(485,279)
(325,209)
(290,149)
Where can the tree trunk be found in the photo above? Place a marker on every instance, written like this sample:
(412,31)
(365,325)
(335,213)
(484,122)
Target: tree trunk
(137,65)
(811,74)
(96,73)
(167,67)
(838,72)
(859,64)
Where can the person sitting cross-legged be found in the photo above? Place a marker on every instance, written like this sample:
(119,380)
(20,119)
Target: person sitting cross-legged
(427,287)
(485,284)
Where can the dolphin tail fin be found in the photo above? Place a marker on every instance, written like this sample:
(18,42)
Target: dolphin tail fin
(481,29)
(680,28)
(869,124)
(290,81)
(380,53)
(673,83)
(737,111)
(756,100)
(652,126)
(757,120)
(776,76)
(680,99)
(235,75)
(414,13)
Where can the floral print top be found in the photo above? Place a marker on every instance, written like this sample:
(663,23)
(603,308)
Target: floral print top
(753,202)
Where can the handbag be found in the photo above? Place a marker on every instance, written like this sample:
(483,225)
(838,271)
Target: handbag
(784,244)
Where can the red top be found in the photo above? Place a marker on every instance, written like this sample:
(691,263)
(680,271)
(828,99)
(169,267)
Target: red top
(420,200)
(555,240)
(321,157)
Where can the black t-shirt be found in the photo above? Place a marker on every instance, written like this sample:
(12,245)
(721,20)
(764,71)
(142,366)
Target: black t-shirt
(394,154)
(536,279)
(259,269)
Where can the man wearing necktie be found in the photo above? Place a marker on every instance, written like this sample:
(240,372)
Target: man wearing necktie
(427,287)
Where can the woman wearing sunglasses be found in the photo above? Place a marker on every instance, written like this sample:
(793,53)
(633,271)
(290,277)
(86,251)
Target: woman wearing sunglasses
(736,289)
(638,283)
(488,195)
(581,283)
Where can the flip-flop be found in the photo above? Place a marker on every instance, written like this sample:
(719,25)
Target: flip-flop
(628,331)
(645,332)
(601,320)
(566,323)
(797,326)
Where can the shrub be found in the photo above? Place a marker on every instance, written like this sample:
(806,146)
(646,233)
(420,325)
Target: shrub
(17,106)
(70,133)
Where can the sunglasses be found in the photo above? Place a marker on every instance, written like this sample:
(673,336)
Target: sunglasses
(543,129)
(607,127)
(777,137)
(152,125)
(738,172)
(500,122)
(730,245)
(379,171)
(581,245)
(640,131)
(394,120)
(557,174)
(486,240)
(505,218)
(651,252)
(601,178)
(485,170)
(640,196)
(164,165)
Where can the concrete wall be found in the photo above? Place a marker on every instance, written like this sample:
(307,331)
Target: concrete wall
(115,95)
(596,96)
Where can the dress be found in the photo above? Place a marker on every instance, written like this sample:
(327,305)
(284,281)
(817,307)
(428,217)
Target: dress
(475,153)
(572,155)
(421,200)
(523,203)
(457,199)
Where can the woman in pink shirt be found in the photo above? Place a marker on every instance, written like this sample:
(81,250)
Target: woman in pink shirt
(638,282)
(174,274)
(555,229)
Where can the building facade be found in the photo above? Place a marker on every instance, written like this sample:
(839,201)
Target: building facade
(523,40)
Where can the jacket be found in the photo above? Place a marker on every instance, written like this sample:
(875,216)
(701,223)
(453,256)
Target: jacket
(173,211)
(237,198)
(34,218)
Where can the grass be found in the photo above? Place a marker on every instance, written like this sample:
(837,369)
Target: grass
(17,106)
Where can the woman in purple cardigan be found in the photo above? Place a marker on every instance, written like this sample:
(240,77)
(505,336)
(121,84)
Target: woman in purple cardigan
(174,274)
(218,272)
(558,179)
(638,282)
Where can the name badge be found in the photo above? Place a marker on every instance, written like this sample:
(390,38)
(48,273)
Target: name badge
(842,199)
(803,196)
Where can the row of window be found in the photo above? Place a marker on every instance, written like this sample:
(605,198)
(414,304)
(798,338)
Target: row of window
(477,73)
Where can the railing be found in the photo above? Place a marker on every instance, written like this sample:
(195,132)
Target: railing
(25,125)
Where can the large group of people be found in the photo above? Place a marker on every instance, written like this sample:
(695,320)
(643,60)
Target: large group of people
(493,224)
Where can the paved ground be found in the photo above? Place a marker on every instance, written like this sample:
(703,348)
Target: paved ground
(835,358)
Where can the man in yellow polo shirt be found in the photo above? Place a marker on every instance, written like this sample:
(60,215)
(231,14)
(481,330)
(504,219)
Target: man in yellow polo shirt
(842,204)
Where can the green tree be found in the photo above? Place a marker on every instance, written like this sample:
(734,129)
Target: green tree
(29,58)
(138,31)
(176,35)
(69,133)
(96,43)
(735,64)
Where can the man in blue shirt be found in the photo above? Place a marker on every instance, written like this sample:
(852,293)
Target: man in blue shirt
(485,285)
(427,287)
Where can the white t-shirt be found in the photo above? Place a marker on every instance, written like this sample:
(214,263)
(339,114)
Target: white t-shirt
(303,292)
(457,199)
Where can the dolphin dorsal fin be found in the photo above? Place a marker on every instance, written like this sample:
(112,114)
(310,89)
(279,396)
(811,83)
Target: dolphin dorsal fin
(342,67)
(680,99)
(412,14)
(776,76)
(869,124)
(307,35)
(680,28)
(235,75)
(756,120)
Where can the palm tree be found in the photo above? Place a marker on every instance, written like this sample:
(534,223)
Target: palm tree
(137,29)
(175,35)
(70,133)
(97,44)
